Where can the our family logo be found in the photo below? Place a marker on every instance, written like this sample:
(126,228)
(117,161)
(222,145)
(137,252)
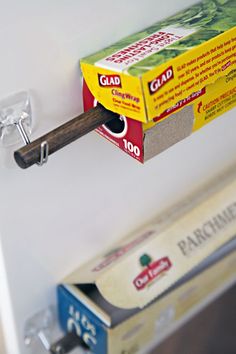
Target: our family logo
(152,271)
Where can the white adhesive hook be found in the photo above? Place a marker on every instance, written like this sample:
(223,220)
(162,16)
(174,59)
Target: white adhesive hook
(41,327)
(15,117)
(16,121)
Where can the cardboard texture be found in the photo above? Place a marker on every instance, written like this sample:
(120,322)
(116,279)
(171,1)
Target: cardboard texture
(151,77)
(116,299)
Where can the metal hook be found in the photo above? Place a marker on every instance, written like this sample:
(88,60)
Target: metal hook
(44,151)
(44,147)
(22,130)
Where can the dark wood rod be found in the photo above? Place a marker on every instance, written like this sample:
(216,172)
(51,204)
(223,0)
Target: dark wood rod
(63,135)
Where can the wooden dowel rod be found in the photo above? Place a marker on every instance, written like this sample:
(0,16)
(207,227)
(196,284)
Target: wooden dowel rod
(63,135)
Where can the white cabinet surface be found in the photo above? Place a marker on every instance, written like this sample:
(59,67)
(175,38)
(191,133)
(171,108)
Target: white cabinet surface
(56,217)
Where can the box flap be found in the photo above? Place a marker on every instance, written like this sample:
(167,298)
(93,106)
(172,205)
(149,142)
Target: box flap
(142,267)
(143,75)
(158,264)
(164,40)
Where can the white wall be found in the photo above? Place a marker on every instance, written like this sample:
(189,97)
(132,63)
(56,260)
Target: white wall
(90,193)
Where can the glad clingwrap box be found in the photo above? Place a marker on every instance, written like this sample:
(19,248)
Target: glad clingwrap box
(146,284)
(166,81)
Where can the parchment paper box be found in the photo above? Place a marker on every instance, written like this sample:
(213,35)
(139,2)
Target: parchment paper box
(109,330)
(166,81)
(138,290)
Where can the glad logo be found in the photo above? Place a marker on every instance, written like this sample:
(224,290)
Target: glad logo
(161,80)
(152,271)
(109,80)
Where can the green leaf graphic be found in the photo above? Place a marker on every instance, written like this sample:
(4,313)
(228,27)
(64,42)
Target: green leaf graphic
(208,18)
